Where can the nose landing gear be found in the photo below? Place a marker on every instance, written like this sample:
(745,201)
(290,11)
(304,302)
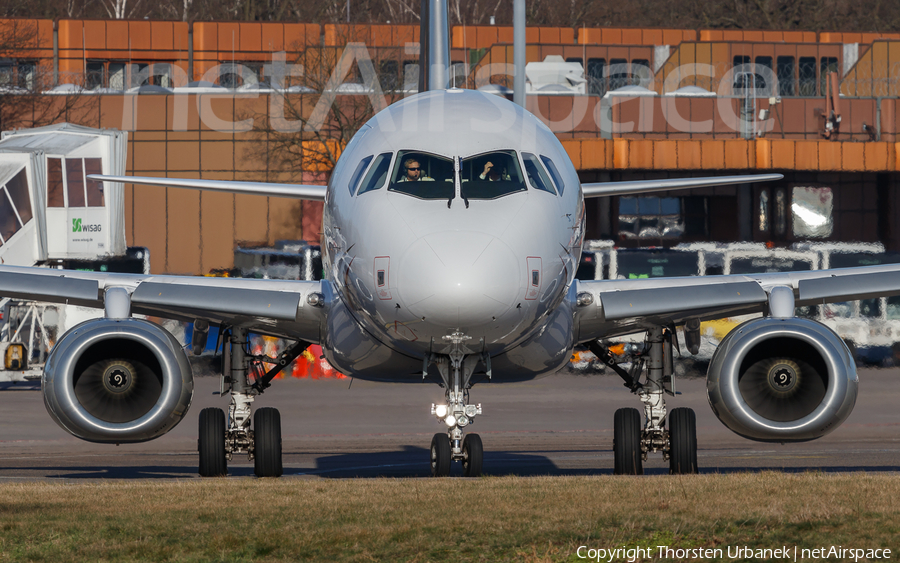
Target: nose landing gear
(456,370)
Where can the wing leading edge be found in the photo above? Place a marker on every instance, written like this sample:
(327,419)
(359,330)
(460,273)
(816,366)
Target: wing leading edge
(272,306)
(645,186)
(625,306)
(295,191)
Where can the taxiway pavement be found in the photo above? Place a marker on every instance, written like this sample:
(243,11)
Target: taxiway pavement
(558,425)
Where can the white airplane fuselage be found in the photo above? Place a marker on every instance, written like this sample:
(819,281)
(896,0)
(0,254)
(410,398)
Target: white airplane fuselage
(411,272)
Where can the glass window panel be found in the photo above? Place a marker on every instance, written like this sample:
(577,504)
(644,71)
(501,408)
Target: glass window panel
(648,205)
(596,82)
(55,197)
(378,174)
(75,182)
(764,77)
(618,73)
(627,205)
(842,310)
(670,205)
(357,174)
(870,308)
(764,211)
(741,74)
(21,197)
(811,211)
(93,76)
(554,173)
(117,76)
(9,224)
(780,212)
(806,70)
(490,175)
(94,189)
(27,75)
(640,73)
(785,75)
(139,75)
(389,75)
(536,175)
(422,175)
(893,308)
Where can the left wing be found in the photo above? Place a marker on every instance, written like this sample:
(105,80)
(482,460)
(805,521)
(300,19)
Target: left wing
(284,308)
(645,186)
(296,191)
(616,307)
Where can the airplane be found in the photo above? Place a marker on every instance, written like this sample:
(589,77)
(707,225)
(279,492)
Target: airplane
(440,268)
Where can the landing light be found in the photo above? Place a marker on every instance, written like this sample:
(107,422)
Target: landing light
(450,421)
(440,411)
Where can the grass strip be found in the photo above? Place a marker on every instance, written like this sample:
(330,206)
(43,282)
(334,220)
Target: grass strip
(454,520)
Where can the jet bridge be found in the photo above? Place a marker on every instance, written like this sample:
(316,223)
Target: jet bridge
(51,215)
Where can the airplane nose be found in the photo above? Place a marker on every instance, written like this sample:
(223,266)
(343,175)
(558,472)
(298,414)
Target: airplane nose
(458,280)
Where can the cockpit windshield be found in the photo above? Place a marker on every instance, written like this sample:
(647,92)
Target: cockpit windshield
(422,175)
(490,175)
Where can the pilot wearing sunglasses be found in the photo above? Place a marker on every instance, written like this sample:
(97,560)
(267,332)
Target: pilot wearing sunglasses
(414,172)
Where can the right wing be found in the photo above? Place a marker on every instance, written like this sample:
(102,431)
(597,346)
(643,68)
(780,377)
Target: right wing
(296,191)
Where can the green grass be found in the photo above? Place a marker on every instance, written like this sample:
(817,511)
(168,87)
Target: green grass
(453,520)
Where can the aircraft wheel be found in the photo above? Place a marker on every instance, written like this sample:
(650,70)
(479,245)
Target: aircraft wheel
(473,455)
(267,441)
(440,455)
(627,442)
(682,442)
(211,443)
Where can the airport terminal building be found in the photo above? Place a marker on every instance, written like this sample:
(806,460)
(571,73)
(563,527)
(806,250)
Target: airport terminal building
(204,100)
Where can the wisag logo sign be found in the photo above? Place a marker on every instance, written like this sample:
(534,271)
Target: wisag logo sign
(79,227)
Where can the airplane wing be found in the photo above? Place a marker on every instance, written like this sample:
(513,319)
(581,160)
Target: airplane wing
(296,191)
(279,307)
(647,186)
(617,307)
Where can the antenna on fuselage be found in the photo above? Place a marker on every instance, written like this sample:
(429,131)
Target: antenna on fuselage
(434,46)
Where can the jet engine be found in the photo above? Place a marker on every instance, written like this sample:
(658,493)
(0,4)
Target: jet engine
(117,381)
(782,380)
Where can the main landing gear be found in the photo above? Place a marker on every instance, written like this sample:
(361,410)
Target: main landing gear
(632,443)
(456,370)
(219,439)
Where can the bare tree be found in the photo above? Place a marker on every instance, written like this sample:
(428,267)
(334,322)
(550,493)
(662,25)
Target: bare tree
(24,80)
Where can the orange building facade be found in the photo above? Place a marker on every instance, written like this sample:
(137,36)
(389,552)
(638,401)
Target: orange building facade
(852,162)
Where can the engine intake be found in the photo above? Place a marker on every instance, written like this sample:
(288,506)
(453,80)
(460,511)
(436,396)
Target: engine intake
(117,381)
(782,380)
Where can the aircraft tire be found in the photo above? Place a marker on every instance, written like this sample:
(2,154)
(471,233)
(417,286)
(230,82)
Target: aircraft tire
(682,442)
(440,455)
(211,443)
(627,442)
(473,455)
(267,441)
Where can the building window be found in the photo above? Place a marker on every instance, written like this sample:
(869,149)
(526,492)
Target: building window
(651,217)
(618,73)
(596,82)
(764,78)
(742,74)
(806,71)
(785,75)
(812,212)
(640,73)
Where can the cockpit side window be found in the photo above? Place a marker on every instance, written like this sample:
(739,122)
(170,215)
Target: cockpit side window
(491,175)
(536,175)
(422,175)
(357,174)
(377,174)
(554,173)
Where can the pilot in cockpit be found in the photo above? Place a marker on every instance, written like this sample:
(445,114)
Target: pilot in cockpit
(414,172)
(493,173)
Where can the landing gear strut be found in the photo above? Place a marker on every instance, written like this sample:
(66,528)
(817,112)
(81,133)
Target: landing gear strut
(631,443)
(219,439)
(456,369)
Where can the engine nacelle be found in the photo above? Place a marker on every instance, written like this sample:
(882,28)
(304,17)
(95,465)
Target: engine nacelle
(782,380)
(117,381)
